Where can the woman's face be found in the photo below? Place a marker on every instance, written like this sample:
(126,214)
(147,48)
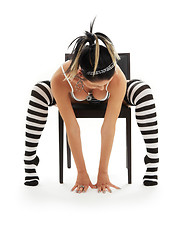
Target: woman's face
(96,85)
(100,85)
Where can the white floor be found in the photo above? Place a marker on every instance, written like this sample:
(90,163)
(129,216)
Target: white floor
(52,211)
(36,35)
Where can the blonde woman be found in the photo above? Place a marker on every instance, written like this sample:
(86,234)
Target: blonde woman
(92,76)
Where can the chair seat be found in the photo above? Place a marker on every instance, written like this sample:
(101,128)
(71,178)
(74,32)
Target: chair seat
(96,110)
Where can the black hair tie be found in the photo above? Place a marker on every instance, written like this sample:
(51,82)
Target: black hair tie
(91,37)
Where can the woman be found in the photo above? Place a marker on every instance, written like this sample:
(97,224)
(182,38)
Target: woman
(92,76)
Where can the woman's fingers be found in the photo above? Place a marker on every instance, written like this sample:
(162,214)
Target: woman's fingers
(81,189)
(85,188)
(103,189)
(99,189)
(108,188)
(112,185)
(75,186)
(78,188)
(93,186)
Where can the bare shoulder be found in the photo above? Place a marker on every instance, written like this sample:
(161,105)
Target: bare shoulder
(118,82)
(60,90)
(57,80)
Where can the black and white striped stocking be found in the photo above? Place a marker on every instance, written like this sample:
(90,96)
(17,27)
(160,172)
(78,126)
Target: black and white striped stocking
(41,98)
(139,94)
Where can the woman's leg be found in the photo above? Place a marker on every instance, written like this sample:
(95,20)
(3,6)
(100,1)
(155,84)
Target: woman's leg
(139,94)
(37,113)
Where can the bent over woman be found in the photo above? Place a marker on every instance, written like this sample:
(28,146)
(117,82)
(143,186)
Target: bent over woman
(92,76)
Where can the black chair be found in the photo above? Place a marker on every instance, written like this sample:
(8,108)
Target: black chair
(98,111)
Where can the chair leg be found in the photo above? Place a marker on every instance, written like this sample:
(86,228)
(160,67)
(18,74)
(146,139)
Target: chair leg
(128,147)
(68,154)
(61,138)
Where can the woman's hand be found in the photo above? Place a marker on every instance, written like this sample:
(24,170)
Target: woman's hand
(82,180)
(103,183)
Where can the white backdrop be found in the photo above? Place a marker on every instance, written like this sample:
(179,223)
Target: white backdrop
(34,38)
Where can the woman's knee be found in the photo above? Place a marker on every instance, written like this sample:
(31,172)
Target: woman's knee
(42,92)
(139,91)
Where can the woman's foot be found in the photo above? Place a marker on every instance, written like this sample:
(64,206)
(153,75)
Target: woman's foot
(31,178)
(151,178)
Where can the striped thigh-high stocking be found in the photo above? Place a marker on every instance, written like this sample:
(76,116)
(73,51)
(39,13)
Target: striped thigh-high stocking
(37,113)
(139,94)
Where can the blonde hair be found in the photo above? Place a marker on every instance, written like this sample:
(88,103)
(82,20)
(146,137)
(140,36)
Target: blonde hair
(74,64)
(80,46)
(114,55)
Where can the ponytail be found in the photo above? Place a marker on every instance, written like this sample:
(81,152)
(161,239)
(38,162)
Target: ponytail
(80,45)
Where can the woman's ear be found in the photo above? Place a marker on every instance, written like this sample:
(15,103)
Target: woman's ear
(80,72)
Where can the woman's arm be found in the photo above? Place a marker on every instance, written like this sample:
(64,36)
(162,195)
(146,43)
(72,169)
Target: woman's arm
(60,92)
(117,89)
(74,140)
(107,138)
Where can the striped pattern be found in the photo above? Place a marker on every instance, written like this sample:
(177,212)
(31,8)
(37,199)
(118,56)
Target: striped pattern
(37,113)
(139,94)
